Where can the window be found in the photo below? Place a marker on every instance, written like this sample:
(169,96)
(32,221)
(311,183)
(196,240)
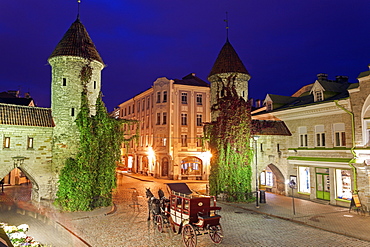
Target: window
(184,141)
(164,96)
(339,135)
(164,141)
(158,119)
(344,184)
(184,98)
(199,99)
(125,112)
(94,84)
(158,97)
(199,120)
(6,142)
(184,119)
(147,102)
(269,106)
(72,112)
(138,106)
(318,96)
(64,82)
(261,147)
(320,135)
(164,119)
(278,148)
(304,179)
(302,136)
(30,142)
(143,105)
(129,110)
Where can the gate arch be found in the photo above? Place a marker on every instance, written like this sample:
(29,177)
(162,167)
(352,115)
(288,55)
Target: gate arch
(278,185)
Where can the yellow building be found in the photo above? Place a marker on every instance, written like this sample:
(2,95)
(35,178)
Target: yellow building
(170,118)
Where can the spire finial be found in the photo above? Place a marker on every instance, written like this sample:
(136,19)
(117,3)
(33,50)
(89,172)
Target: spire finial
(78,9)
(227,27)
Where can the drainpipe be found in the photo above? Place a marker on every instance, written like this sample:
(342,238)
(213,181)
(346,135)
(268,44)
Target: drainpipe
(353,160)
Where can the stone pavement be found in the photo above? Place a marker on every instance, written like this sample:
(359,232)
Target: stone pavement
(72,227)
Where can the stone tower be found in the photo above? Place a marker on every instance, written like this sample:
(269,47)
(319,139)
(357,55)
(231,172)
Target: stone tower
(73,54)
(228,71)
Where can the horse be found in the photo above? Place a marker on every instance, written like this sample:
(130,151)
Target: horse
(153,203)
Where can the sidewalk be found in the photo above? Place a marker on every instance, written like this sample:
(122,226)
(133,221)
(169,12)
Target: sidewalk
(326,217)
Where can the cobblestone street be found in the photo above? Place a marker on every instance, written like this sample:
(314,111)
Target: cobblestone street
(128,225)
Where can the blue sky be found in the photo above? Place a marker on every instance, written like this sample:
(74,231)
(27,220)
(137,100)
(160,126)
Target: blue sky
(283,44)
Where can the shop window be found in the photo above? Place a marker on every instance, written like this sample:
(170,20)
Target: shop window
(344,184)
(304,179)
(191,166)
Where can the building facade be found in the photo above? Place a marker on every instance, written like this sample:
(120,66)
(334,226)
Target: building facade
(327,153)
(170,117)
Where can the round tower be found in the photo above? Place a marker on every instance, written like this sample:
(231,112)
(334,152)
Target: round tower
(74,59)
(228,72)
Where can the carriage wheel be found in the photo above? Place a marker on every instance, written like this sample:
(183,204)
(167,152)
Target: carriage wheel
(159,222)
(189,238)
(216,234)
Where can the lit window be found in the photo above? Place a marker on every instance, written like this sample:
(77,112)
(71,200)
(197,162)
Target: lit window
(6,142)
(30,142)
(184,98)
(344,184)
(304,179)
(199,99)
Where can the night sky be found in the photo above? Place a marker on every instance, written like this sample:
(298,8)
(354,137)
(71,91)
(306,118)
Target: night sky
(283,44)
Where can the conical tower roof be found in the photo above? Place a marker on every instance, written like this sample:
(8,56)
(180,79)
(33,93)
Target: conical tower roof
(228,61)
(77,42)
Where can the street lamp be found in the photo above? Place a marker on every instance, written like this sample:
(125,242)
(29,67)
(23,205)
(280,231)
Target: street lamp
(255,158)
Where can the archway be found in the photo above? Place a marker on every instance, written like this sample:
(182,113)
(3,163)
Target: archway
(191,166)
(272,180)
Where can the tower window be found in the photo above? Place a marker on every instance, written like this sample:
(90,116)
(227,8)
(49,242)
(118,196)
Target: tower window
(30,142)
(94,84)
(64,81)
(72,112)
(6,142)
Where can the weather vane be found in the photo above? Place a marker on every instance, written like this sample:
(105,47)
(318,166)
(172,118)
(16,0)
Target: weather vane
(78,9)
(227,26)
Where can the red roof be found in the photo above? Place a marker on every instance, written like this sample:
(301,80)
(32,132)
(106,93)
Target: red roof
(77,42)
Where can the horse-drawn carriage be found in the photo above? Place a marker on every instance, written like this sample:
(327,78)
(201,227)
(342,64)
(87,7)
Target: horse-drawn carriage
(187,213)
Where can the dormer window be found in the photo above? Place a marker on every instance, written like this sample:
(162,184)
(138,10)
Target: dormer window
(318,96)
(268,106)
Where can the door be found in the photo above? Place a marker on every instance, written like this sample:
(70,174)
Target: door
(322,186)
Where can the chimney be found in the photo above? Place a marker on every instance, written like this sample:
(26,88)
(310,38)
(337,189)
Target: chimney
(341,78)
(322,77)
(258,103)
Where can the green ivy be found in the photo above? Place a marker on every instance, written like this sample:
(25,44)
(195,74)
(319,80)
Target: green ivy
(229,140)
(87,181)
